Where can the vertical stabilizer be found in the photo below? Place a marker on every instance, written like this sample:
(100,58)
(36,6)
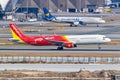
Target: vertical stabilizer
(16,33)
(47,15)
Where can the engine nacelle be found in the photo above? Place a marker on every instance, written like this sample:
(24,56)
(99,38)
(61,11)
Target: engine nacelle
(76,23)
(70,45)
(82,23)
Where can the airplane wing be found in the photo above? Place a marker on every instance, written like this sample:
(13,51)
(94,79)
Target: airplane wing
(57,43)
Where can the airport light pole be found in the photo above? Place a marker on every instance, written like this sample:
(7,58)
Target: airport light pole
(66,5)
(48,4)
(27,10)
(12,9)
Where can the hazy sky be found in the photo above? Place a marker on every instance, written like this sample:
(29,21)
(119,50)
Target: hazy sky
(3,3)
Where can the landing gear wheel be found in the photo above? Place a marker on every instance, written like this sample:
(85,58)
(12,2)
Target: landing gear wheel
(99,47)
(97,25)
(71,25)
(76,25)
(60,48)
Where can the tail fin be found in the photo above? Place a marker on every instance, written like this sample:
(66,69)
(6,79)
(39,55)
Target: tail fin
(47,16)
(16,33)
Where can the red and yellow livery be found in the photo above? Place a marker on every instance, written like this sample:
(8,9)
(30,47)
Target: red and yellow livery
(68,41)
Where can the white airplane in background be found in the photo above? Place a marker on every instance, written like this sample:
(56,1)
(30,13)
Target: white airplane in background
(73,21)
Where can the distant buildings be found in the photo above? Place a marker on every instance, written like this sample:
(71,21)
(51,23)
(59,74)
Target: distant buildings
(56,5)
(36,6)
(107,2)
(53,5)
(3,3)
(117,2)
(1,12)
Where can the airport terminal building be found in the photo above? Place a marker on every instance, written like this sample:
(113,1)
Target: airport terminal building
(53,5)
(33,7)
(117,2)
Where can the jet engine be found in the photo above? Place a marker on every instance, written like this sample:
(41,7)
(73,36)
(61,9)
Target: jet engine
(70,45)
(82,23)
(76,23)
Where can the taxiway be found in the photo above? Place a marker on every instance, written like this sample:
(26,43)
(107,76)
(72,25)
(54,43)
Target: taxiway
(53,49)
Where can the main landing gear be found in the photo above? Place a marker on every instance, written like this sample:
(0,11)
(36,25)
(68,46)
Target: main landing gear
(99,47)
(97,25)
(60,48)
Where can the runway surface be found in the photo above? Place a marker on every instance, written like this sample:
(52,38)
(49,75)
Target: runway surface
(52,49)
(60,67)
(112,31)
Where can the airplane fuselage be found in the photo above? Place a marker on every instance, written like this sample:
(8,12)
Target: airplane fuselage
(76,39)
(68,41)
(85,20)
(73,21)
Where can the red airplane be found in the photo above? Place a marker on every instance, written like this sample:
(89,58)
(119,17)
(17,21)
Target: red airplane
(68,41)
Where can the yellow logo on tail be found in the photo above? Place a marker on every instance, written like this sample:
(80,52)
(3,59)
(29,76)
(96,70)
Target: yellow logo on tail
(14,35)
(47,14)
